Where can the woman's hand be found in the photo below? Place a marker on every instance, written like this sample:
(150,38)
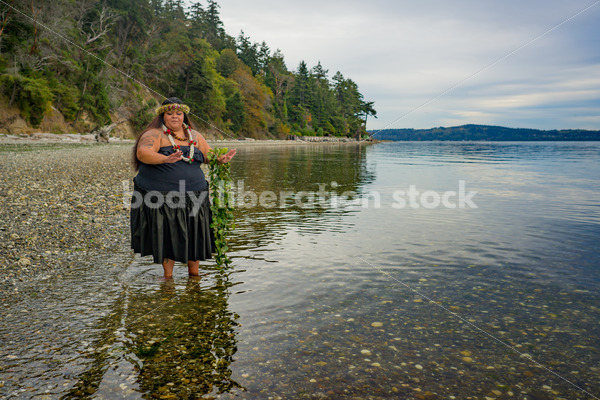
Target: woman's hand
(172,158)
(225,158)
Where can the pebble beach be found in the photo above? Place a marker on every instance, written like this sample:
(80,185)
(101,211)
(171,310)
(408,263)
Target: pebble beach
(60,203)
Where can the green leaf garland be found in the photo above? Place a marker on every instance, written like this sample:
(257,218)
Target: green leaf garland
(221,204)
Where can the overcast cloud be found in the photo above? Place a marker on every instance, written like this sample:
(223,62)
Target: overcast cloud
(405,54)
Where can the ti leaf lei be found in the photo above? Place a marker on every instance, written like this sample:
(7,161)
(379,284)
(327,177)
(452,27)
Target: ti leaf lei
(221,204)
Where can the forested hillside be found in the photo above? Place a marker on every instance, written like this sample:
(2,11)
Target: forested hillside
(486,133)
(68,65)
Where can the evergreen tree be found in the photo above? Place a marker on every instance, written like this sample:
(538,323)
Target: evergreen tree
(214,25)
(301,99)
(197,17)
(320,89)
(248,53)
(207,24)
(174,9)
(228,62)
(263,57)
(278,79)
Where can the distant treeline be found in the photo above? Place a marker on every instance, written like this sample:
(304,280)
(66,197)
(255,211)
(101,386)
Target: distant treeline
(175,47)
(485,133)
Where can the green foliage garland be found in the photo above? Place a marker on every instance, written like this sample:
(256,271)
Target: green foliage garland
(221,204)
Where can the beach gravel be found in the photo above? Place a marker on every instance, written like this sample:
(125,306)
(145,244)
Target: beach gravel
(61,203)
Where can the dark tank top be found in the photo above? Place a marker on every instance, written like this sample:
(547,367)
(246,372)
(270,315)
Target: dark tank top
(178,176)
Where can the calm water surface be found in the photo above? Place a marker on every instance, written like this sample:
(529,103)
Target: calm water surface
(353,297)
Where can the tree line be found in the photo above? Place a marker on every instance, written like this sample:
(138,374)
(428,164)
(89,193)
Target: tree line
(58,54)
(485,133)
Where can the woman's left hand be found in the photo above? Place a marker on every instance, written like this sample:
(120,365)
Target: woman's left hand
(225,158)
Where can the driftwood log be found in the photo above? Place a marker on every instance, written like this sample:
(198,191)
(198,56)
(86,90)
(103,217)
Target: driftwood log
(102,135)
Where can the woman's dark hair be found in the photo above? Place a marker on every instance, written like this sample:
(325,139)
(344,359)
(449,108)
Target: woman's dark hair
(156,123)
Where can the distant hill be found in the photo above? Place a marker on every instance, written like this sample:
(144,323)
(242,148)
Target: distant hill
(485,133)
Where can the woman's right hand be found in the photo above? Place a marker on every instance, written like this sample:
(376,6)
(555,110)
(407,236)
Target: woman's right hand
(172,158)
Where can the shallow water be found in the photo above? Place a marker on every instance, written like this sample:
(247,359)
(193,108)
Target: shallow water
(333,298)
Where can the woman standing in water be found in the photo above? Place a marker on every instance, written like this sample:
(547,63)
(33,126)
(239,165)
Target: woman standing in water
(170,210)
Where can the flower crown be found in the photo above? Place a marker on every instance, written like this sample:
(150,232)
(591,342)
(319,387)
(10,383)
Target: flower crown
(172,107)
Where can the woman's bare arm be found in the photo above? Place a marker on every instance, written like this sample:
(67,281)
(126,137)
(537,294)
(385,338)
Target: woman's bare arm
(202,145)
(147,151)
(205,148)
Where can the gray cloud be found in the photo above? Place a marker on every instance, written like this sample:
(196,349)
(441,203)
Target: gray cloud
(403,54)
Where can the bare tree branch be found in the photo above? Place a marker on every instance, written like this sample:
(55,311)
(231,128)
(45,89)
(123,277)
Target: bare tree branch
(102,25)
(99,26)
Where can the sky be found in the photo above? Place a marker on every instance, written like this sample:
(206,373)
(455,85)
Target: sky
(430,63)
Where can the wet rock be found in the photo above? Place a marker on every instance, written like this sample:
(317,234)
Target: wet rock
(538,395)
(24,262)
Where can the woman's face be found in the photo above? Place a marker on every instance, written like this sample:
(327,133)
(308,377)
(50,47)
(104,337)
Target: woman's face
(173,119)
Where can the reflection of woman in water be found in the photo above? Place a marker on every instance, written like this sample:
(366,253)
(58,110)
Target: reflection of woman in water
(198,334)
(170,210)
(183,338)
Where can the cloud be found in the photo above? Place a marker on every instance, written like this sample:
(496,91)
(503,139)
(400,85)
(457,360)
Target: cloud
(404,54)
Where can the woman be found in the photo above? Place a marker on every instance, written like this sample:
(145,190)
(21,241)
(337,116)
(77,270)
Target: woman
(170,210)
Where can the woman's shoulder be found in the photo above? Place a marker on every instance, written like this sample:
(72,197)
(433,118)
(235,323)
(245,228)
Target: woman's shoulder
(197,134)
(198,137)
(152,133)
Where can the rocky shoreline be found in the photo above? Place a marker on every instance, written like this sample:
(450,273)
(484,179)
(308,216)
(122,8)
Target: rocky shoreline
(62,204)
(42,137)
(90,138)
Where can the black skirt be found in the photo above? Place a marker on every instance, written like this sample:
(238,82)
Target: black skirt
(171,225)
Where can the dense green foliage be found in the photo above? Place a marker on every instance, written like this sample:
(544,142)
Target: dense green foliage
(144,115)
(485,133)
(240,87)
(221,204)
(31,95)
